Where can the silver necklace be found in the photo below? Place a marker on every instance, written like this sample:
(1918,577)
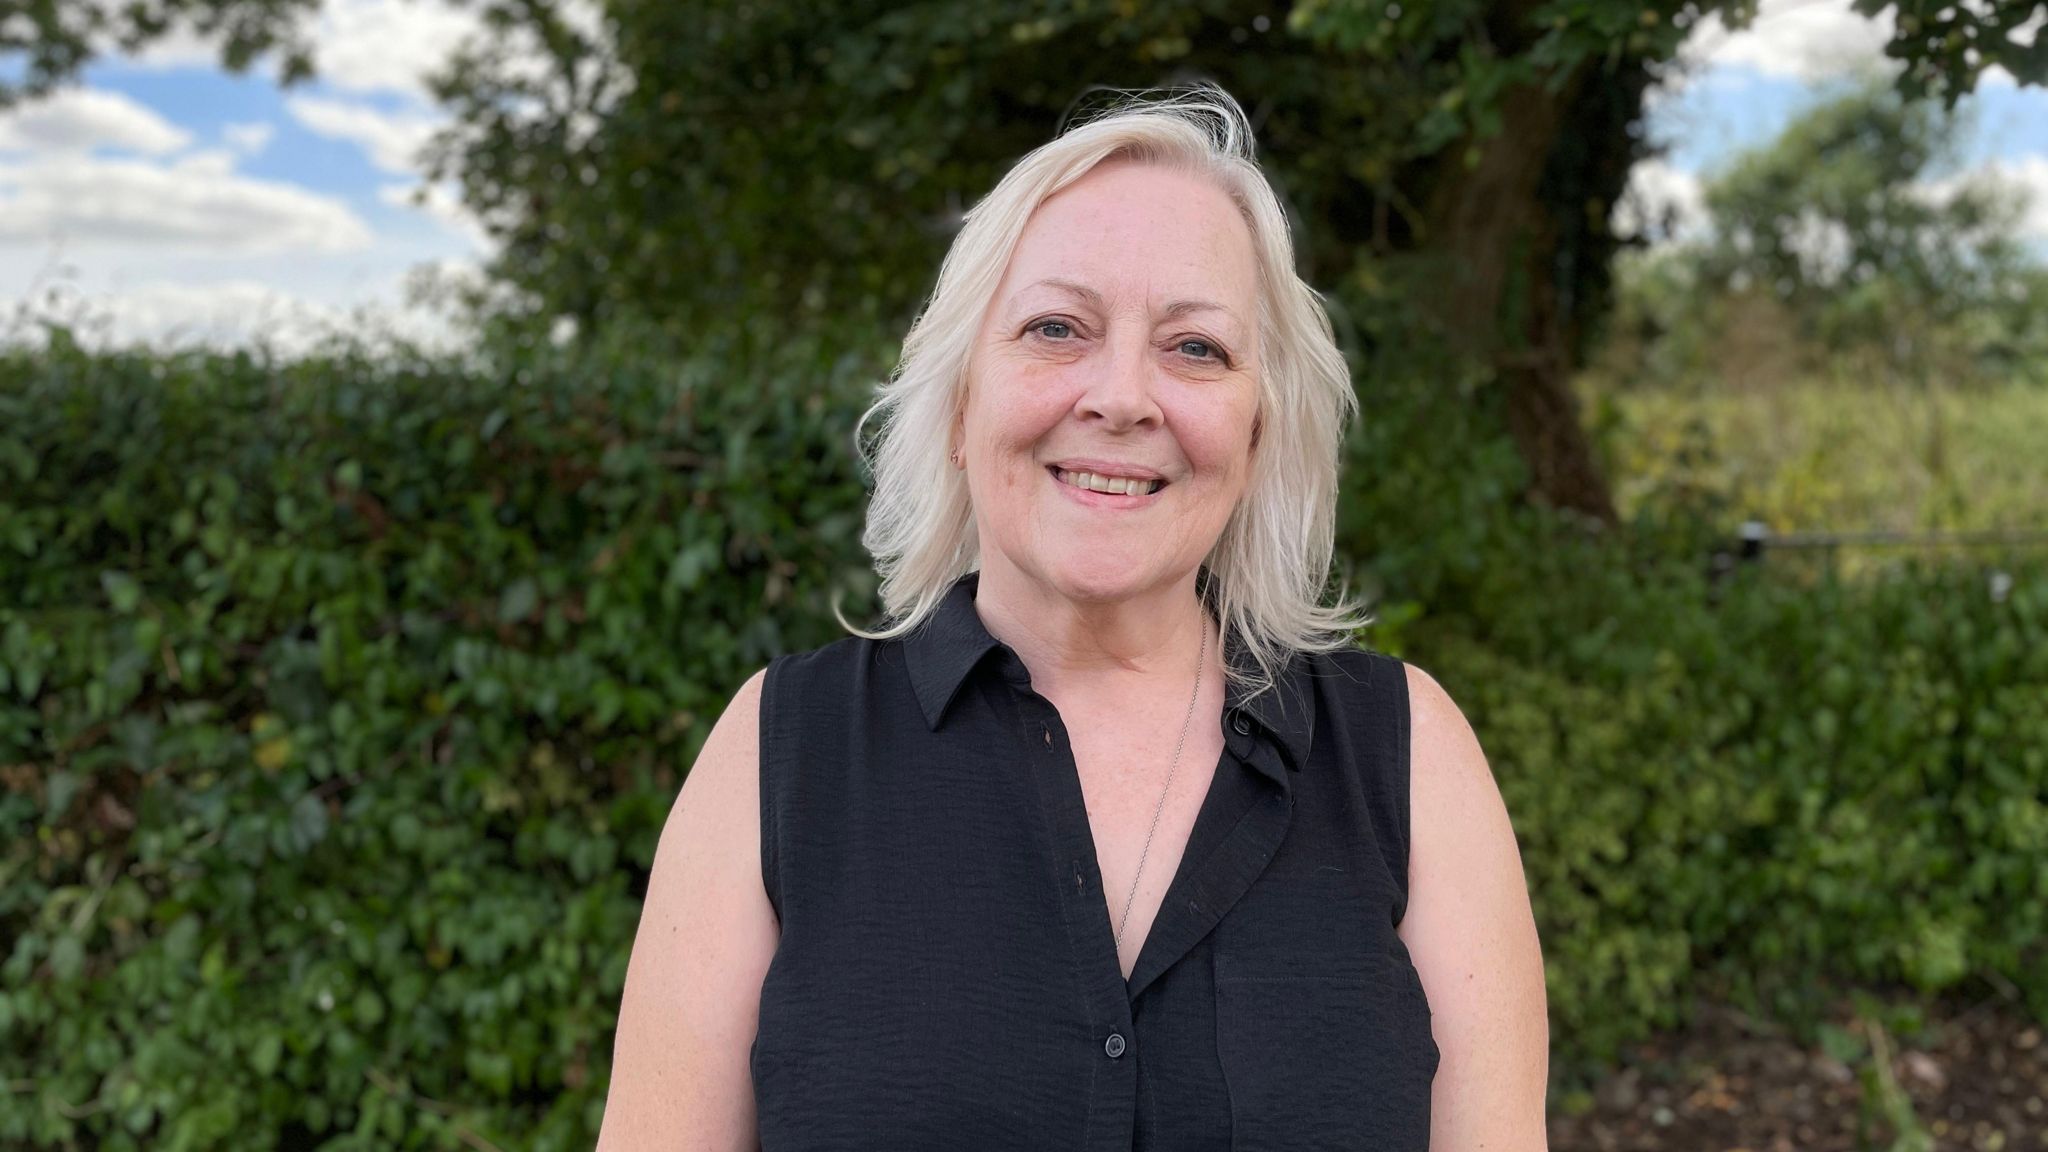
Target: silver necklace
(1200,660)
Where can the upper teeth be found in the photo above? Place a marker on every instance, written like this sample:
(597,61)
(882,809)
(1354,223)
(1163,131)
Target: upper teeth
(1120,485)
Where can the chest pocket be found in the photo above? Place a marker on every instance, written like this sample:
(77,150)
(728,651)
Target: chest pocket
(1322,1025)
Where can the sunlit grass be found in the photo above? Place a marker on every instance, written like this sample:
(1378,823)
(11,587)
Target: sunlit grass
(1834,455)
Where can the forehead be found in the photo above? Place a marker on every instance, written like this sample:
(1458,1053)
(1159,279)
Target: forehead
(1135,233)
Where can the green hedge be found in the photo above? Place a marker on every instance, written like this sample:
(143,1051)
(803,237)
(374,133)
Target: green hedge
(340,709)
(1779,784)
(341,704)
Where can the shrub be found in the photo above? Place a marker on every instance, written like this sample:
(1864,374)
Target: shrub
(341,704)
(340,708)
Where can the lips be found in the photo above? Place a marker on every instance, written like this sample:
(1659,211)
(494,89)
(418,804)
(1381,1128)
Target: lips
(1122,471)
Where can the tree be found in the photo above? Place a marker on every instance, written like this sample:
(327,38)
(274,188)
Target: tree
(1455,161)
(1851,231)
(1837,220)
(57,40)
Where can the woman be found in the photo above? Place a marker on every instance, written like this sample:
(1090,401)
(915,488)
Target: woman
(1111,840)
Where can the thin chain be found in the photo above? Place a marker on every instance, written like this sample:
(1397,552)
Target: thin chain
(1201,660)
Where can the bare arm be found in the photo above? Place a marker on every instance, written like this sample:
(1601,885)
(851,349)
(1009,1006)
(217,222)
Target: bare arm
(1471,933)
(680,1073)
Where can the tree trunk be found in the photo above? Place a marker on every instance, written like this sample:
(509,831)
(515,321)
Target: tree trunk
(1524,250)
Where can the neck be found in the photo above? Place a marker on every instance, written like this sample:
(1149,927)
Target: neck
(1098,646)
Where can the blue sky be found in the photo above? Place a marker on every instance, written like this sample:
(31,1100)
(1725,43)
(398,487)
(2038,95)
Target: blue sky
(1733,90)
(206,101)
(1740,107)
(163,198)
(174,202)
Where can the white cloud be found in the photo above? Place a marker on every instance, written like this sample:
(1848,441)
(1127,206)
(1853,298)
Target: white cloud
(1822,245)
(442,203)
(181,48)
(214,162)
(2030,173)
(79,120)
(198,202)
(361,46)
(182,312)
(392,140)
(1657,192)
(248,139)
(1814,40)
(1798,39)
(184,249)
(387,45)
(1806,41)
(2025,176)
(167,314)
(1661,203)
(368,47)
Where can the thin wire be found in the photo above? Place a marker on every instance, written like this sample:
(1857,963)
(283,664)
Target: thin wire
(1201,660)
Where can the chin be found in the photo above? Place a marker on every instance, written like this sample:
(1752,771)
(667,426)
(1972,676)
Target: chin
(1096,578)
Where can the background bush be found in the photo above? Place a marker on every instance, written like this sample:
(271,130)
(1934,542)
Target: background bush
(341,704)
(340,708)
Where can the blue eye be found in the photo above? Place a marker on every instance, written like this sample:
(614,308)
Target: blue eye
(1201,344)
(1044,324)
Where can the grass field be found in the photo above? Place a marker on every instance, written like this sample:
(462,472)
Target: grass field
(1834,455)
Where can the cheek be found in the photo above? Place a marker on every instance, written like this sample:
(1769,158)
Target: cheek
(1019,420)
(1005,438)
(1224,447)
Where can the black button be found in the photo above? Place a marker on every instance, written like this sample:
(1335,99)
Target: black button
(1114,1045)
(1241,723)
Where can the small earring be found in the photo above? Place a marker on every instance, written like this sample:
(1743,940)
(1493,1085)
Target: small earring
(956,458)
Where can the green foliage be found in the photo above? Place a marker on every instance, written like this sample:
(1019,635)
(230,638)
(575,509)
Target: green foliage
(1946,47)
(341,704)
(54,42)
(1832,218)
(1845,244)
(692,163)
(1766,788)
(1839,453)
(340,708)
(1762,789)
(814,159)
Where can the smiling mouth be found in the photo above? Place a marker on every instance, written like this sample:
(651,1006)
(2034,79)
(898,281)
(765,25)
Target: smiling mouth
(1106,485)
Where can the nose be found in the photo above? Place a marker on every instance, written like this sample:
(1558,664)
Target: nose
(1119,391)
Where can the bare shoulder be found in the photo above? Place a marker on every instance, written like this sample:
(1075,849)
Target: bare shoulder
(1444,752)
(680,1065)
(1472,936)
(730,761)
(714,821)
(1461,840)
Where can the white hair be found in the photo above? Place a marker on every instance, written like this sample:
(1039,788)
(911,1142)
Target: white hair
(1270,566)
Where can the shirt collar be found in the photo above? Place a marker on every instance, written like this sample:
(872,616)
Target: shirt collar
(952,641)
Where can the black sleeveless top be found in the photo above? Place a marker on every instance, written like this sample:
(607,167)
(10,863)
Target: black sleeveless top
(947,977)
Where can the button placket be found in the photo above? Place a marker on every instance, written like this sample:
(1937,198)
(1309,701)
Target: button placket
(1113,1104)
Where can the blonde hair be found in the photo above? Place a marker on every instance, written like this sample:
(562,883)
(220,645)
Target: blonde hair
(1269,567)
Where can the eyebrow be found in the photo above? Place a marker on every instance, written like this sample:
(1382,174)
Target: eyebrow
(1174,310)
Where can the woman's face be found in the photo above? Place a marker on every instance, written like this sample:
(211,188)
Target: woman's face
(1121,342)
